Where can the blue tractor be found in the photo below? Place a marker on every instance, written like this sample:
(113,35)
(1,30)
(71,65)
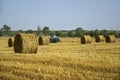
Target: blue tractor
(54,39)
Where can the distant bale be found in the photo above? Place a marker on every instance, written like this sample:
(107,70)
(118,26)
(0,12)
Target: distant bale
(100,38)
(110,39)
(43,40)
(86,39)
(10,42)
(25,43)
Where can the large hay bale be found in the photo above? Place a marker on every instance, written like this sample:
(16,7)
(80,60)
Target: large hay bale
(85,39)
(100,38)
(110,39)
(10,42)
(43,40)
(25,43)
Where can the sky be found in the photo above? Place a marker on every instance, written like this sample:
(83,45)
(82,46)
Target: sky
(60,14)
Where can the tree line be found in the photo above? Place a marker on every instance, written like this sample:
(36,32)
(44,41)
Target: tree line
(78,32)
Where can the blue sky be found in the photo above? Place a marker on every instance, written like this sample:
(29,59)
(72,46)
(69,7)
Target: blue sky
(60,14)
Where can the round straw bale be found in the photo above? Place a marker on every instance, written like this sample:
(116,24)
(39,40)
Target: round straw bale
(100,38)
(85,39)
(10,42)
(43,40)
(25,43)
(110,39)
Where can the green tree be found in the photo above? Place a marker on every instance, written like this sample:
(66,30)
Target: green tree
(58,33)
(20,31)
(117,33)
(61,33)
(39,30)
(51,33)
(104,32)
(29,31)
(71,33)
(92,33)
(97,32)
(5,30)
(46,30)
(79,32)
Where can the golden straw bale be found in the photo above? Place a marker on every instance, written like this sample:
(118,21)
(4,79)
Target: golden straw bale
(110,39)
(43,40)
(100,38)
(25,43)
(86,39)
(10,42)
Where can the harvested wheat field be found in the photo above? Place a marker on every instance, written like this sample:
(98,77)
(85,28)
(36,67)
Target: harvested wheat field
(67,60)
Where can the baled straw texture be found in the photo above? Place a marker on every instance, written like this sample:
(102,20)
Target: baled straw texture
(85,39)
(100,38)
(110,39)
(43,40)
(10,42)
(25,43)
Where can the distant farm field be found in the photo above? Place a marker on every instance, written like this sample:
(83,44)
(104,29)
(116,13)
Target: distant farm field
(66,60)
